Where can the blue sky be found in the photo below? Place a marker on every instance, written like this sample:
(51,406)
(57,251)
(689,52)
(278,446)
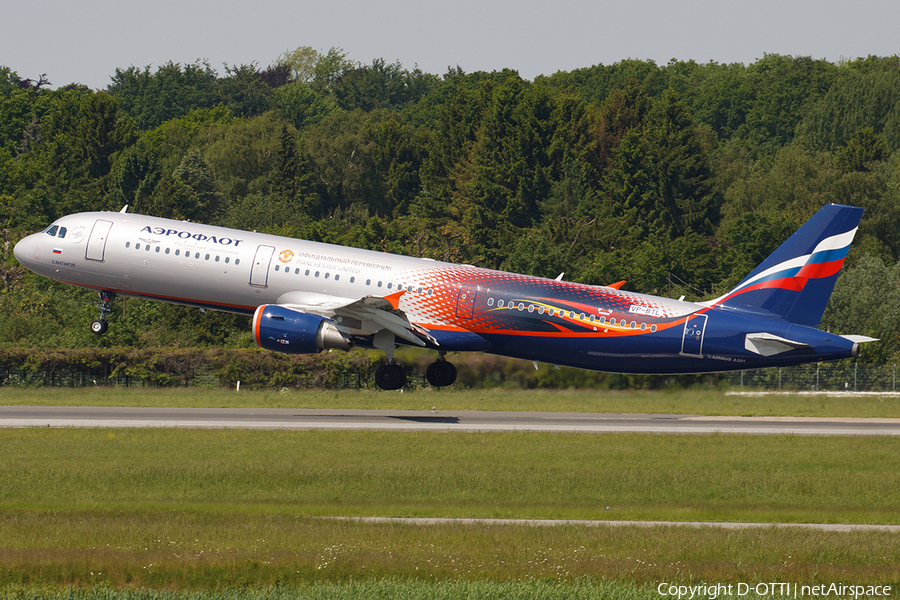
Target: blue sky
(84,42)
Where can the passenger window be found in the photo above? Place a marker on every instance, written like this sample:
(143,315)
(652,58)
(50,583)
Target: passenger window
(307,273)
(379,284)
(390,286)
(226,260)
(178,253)
(317,273)
(237,261)
(128,244)
(368,281)
(217,258)
(490,301)
(352,279)
(296,271)
(327,275)
(168,250)
(500,304)
(277,267)
(337,277)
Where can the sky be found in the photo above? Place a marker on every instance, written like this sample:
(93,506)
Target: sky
(85,41)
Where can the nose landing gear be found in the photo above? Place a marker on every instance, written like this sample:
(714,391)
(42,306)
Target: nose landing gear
(100,326)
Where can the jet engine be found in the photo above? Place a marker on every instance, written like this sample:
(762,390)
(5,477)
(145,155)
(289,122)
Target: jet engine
(286,330)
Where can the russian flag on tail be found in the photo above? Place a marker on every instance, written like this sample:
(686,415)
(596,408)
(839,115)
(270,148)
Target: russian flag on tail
(795,282)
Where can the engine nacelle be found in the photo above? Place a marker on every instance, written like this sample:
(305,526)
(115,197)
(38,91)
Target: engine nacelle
(285,330)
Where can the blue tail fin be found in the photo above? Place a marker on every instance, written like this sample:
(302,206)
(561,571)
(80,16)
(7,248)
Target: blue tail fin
(796,280)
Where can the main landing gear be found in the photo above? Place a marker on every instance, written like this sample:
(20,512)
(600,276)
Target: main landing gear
(100,326)
(391,376)
(440,372)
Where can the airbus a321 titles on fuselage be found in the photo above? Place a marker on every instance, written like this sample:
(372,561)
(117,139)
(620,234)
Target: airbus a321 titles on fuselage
(306,297)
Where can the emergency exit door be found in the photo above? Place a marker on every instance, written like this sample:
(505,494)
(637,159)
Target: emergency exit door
(259,273)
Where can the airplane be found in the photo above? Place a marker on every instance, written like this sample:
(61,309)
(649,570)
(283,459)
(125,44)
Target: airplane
(305,297)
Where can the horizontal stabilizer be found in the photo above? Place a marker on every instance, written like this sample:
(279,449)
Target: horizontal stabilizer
(859,339)
(768,344)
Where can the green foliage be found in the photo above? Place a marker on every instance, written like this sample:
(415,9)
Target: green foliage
(655,174)
(866,301)
(173,91)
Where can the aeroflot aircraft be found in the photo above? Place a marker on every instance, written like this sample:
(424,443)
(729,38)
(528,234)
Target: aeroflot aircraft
(306,296)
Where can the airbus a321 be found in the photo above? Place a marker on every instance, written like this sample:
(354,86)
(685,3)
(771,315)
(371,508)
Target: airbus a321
(306,297)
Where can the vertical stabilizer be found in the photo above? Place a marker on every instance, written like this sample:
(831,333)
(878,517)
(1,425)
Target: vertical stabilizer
(796,280)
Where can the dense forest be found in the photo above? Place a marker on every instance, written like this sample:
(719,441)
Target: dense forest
(678,178)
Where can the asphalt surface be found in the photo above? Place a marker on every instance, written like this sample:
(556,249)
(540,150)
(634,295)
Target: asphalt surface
(406,420)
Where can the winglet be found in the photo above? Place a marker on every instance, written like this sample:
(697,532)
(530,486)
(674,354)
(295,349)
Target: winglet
(617,285)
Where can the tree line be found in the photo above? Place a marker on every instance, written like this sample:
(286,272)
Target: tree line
(678,178)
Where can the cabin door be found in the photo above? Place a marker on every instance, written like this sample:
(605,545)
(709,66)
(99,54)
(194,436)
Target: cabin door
(96,246)
(692,341)
(465,303)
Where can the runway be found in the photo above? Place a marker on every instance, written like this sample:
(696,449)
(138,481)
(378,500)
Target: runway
(408,420)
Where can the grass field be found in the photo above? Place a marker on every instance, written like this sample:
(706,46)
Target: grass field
(234,514)
(705,401)
(200,509)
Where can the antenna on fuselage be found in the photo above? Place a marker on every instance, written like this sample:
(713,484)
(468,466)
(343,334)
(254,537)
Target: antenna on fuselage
(560,276)
(124,209)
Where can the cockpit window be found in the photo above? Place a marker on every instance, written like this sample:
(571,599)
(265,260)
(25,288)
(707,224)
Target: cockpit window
(51,231)
(62,232)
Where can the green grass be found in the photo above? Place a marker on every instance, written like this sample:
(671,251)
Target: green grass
(501,474)
(203,510)
(233,513)
(707,402)
(384,589)
(197,551)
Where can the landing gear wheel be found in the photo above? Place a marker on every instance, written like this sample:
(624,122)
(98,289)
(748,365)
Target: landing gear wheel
(390,377)
(99,326)
(440,373)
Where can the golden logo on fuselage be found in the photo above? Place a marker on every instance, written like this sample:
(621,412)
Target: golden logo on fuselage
(286,256)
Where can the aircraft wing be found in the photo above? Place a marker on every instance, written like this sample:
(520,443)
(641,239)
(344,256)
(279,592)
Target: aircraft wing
(362,316)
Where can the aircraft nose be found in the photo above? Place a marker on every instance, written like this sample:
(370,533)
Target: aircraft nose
(21,250)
